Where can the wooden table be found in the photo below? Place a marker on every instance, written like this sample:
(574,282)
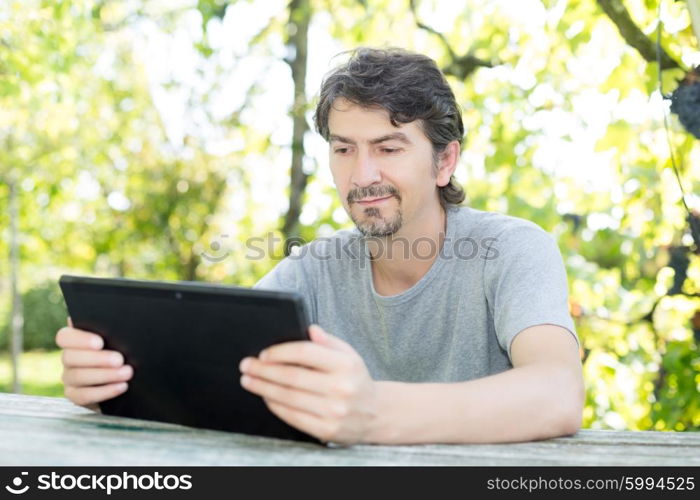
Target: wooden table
(45,431)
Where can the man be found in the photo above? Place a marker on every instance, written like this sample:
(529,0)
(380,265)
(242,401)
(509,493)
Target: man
(434,323)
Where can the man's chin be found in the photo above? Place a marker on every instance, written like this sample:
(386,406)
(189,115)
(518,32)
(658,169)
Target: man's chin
(370,231)
(377,228)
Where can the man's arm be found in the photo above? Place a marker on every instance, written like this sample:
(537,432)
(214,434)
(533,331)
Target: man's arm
(323,388)
(541,397)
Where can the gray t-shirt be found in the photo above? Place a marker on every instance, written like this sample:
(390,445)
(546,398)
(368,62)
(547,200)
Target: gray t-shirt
(495,275)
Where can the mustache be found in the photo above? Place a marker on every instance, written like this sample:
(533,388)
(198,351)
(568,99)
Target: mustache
(372,192)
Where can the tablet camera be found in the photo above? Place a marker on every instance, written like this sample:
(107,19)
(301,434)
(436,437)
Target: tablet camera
(178,295)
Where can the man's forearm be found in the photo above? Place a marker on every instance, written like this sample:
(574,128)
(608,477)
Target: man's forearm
(522,404)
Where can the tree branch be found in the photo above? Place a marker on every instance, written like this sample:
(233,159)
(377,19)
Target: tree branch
(634,36)
(460,66)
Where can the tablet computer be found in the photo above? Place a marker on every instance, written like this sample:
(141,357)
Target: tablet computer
(185,341)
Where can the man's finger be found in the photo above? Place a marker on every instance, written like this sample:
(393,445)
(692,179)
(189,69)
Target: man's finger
(293,398)
(89,396)
(306,422)
(307,354)
(296,377)
(81,358)
(72,338)
(81,377)
(320,336)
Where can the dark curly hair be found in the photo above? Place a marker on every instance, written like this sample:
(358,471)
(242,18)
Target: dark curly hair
(409,86)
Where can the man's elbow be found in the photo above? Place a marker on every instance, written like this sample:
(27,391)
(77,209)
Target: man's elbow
(570,422)
(571,403)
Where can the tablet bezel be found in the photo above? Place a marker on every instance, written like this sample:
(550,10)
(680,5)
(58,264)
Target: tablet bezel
(174,292)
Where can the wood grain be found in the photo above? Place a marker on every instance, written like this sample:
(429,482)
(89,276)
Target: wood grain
(52,431)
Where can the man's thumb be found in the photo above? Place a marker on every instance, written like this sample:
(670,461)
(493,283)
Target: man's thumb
(320,336)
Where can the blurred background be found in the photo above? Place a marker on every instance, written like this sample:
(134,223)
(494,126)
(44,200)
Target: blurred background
(157,139)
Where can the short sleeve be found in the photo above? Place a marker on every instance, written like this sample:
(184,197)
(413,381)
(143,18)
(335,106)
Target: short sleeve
(525,283)
(289,275)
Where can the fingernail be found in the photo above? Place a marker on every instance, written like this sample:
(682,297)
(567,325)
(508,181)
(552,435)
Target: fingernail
(263,355)
(245,380)
(125,370)
(122,387)
(96,343)
(245,364)
(116,359)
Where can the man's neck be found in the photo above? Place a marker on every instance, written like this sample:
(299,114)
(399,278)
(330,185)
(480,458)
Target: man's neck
(399,261)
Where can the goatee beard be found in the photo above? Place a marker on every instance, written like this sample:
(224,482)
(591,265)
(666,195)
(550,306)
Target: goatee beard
(372,223)
(379,226)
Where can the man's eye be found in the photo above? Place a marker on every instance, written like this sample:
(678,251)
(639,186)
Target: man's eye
(341,150)
(389,150)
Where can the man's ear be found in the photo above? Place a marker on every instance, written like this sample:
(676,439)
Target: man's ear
(447,163)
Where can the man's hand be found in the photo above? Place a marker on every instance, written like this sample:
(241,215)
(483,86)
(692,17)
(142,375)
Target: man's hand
(91,374)
(320,387)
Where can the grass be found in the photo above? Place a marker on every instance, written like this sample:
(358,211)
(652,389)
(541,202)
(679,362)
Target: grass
(40,373)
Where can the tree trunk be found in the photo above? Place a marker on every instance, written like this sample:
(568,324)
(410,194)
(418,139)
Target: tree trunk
(297,42)
(16,317)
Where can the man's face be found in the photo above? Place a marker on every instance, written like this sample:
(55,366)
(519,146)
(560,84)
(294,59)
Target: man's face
(384,174)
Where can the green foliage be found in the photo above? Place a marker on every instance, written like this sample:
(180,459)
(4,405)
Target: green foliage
(44,313)
(40,372)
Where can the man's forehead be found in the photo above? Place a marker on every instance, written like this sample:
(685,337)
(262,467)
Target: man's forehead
(349,122)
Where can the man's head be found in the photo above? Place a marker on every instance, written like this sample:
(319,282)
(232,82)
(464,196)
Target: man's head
(395,130)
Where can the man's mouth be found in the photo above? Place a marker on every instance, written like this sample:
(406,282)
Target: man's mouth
(374,201)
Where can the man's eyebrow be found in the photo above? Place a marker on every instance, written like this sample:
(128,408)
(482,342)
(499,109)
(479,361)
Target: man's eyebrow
(397,136)
(340,138)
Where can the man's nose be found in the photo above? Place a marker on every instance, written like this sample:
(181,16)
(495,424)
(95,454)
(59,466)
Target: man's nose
(365,171)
